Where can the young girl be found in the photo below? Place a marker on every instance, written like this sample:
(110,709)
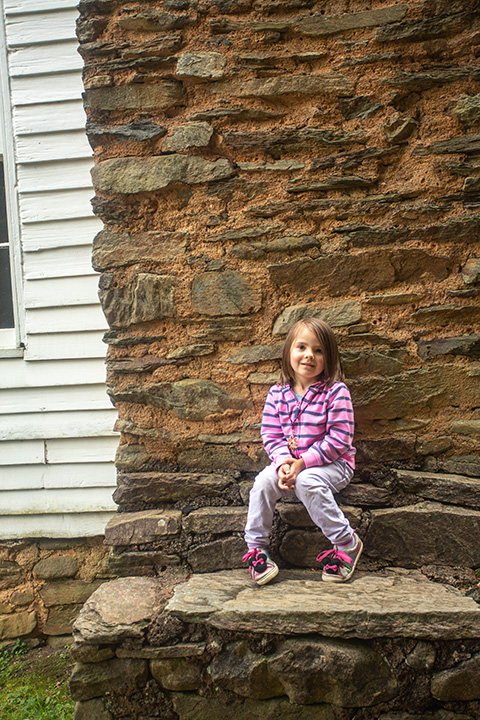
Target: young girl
(307,432)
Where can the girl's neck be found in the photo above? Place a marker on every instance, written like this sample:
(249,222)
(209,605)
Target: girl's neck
(300,387)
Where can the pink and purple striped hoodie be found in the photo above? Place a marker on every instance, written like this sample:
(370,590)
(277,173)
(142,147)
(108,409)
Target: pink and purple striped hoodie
(322,422)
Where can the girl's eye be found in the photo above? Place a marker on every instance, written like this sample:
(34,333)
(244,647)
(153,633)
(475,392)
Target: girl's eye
(319,352)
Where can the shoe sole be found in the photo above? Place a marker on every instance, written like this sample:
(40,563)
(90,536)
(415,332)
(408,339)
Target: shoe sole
(336,578)
(267,576)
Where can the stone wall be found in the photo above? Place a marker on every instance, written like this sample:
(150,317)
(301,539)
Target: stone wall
(44,583)
(262,160)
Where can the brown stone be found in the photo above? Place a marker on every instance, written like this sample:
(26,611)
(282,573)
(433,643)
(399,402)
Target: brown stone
(195,707)
(372,362)
(145,563)
(149,297)
(142,527)
(339,315)
(131,457)
(255,354)
(201,66)
(10,574)
(194,134)
(319,25)
(176,673)
(461,682)
(23,596)
(300,547)
(115,249)
(15,625)
(468,345)
(287,85)
(91,710)
(60,619)
(67,592)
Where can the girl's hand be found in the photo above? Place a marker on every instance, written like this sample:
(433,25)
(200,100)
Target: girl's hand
(287,473)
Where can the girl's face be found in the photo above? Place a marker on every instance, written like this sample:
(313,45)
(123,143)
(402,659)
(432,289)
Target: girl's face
(306,357)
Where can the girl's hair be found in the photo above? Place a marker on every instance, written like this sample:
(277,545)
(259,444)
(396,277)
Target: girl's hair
(332,370)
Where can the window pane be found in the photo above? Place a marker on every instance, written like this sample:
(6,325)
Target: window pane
(6,305)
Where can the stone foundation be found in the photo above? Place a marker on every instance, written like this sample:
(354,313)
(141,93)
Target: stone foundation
(44,583)
(393,646)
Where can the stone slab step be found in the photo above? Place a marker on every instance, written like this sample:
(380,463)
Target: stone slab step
(397,603)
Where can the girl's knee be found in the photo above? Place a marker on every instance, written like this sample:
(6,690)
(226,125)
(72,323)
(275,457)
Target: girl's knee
(265,479)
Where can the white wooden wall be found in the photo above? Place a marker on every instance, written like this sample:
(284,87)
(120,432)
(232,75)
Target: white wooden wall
(56,422)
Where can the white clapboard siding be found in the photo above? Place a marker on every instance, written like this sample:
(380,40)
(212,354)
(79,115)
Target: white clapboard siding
(80,423)
(58,262)
(58,233)
(49,117)
(53,477)
(53,205)
(30,6)
(55,175)
(52,146)
(49,320)
(63,500)
(23,452)
(71,525)
(52,292)
(37,28)
(39,400)
(16,373)
(67,346)
(53,87)
(39,60)
(81,450)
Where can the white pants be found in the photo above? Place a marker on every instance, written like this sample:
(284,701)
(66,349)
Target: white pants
(315,488)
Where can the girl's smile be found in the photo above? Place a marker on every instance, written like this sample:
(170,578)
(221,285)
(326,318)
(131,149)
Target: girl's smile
(306,359)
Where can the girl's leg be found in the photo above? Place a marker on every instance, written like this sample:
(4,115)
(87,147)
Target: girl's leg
(315,487)
(263,498)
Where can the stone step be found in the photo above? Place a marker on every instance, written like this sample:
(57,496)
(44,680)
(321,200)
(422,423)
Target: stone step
(397,603)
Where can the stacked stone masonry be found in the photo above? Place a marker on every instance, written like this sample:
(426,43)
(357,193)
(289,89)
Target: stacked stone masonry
(44,583)
(256,162)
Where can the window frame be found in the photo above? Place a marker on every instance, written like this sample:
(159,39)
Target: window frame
(11,339)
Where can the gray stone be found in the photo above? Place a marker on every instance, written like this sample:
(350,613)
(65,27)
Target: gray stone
(466,427)
(399,130)
(445,314)
(466,144)
(225,293)
(139,131)
(416,30)
(195,134)
(422,657)
(365,495)
(117,249)
(155,487)
(217,457)
(372,362)
(391,605)
(318,25)
(255,354)
(145,563)
(144,364)
(131,457)
(276,166)
(188,399)
(452,489)
(56,566)
(257,250)
(216,520)
(341,314)
(221,554)
(431,78)
(292,139)
(300,547)
(393,299)
(243,233)
(459,683)
(154,21)
(91,710)
(23,596)
(142,527)
(148,297)
(158,96)
(397,535)
(91,653)
(182,650)
(194,707)
(201,66)
(60,620)
(135,175)
(471,271)
(117,610)
(334,182)
(227,439)
(191,351)
(67,592)
(333,83)
(467,345)
(92,680)
(16,625)
(259,378)
(176,673)
(467,109)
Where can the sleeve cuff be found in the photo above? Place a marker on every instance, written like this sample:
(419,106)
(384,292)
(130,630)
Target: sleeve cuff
(311,458)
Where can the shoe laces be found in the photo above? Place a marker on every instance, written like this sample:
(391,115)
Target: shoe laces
(332,559)
(255,557)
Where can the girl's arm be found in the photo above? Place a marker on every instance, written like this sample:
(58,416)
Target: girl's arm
(273,437)
(339,429)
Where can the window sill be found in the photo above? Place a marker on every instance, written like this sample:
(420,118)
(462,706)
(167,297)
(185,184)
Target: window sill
(11,352)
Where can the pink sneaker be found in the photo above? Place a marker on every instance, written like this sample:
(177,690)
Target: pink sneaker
(261,567)
(338,565)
